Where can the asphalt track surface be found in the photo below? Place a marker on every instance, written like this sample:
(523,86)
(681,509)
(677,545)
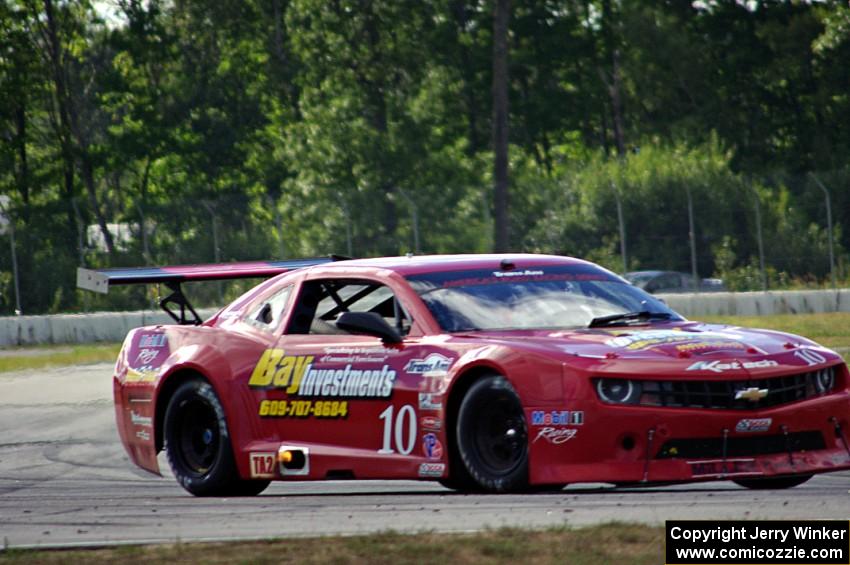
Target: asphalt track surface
(66,481)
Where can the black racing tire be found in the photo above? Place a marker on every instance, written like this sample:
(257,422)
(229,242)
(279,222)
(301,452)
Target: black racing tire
(773,483)
(197,444)
(492,438)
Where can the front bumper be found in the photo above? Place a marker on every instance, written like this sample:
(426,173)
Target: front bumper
(628,444)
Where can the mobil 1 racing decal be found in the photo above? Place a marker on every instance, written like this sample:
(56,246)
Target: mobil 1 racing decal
(552,425)
(147,353)
(320,387)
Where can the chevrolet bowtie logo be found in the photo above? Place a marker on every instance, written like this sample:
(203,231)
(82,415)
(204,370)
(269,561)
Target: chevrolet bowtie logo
(753,394)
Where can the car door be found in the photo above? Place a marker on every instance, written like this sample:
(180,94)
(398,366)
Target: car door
(324,386)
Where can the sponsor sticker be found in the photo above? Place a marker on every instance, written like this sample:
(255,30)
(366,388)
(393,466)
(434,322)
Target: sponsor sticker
(262,465)
(303,408)
(511,274)
(555,436)
(717,467)
(433,365)
(155,341)
(721,344)
(432,469)
(342,355)
(648,339)
(557,418)
(429,401)
(753,425)
(297,375)
(432,447)
(139,420)
(431,423)
(148,352)
(719,367)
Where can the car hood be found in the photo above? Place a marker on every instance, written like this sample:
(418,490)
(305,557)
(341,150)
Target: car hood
(691,346)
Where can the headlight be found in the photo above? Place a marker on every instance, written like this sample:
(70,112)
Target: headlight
(618,391)
(824,380)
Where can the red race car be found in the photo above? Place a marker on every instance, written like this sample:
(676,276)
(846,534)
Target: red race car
(484,372)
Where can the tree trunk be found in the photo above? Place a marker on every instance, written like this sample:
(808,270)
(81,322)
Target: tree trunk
(501,227)
(614,80)
(468,74)
(54,56)
(91,190)
(23,177)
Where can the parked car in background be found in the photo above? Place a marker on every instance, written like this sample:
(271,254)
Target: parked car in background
(659,282)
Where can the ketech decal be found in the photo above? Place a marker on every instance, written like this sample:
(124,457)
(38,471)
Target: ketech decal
(719,367)
(297,375)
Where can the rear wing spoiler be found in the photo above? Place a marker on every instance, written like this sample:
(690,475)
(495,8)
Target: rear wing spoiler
(99,280)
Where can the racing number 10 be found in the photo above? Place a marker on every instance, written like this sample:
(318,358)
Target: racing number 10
(405,421)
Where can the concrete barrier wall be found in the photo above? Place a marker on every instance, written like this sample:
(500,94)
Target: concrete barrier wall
(113,326)
(79,328)
(759,303)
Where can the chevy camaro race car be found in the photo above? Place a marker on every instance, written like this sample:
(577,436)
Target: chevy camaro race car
(484,372)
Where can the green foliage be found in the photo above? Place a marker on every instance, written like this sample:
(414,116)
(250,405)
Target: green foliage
(286,128)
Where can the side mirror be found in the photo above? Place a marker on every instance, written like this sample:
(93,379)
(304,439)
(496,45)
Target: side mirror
(368,323)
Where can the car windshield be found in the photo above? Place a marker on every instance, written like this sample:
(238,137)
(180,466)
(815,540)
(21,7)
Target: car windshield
(539,298)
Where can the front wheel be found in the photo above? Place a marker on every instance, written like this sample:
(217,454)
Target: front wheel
(772,483)
(197,444)
(492,438)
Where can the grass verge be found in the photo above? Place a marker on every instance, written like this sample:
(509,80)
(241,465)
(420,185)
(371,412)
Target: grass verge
(831,330)
(608,543)
(57,356)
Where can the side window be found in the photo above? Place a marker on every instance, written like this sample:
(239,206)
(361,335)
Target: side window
(322,301)
(269,313)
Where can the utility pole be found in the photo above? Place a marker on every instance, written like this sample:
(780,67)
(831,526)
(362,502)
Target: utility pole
(828,227)
(760,241)
(692,237)
(622,225)
(414,213)
(5,214)
(501,17)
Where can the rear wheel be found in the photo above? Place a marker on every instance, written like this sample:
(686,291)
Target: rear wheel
(491,436)
(197,444)
(773,483)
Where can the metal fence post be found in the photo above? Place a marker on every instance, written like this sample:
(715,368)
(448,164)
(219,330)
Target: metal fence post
(414,213)
(692,237)
(828,227)
(759,239)
(622,225)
